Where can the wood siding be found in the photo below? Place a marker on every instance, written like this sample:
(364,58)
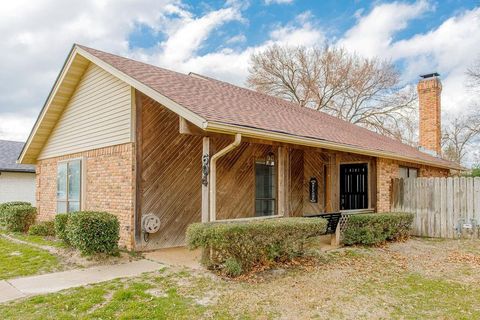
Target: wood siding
(99,114)
(171,174)
(296,183)
(236,179)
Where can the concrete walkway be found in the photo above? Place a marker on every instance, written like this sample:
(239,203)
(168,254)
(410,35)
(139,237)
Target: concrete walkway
(53,282)
(178,256)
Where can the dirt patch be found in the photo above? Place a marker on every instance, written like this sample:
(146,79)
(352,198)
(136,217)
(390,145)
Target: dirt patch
(350,283)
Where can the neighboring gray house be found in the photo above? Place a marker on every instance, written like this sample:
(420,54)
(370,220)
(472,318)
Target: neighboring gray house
(17,181)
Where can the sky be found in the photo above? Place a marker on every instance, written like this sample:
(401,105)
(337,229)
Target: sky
(216,38)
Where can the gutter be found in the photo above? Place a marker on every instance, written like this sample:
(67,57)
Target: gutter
(218,127)
(213,174)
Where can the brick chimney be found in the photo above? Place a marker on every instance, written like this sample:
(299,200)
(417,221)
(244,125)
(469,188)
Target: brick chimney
(429,96)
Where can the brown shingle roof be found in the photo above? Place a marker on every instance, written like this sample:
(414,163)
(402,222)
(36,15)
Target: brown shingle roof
(218,101)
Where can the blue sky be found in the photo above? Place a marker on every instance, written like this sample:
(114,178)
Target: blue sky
(335,17)
(216,38)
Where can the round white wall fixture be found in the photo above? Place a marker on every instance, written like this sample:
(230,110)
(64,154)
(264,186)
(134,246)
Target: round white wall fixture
(150,223)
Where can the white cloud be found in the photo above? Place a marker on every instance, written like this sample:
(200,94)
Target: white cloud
(15,127)
(183,42)
(239,38)
(448,49)
(373,32)
(269,2)
(232,65)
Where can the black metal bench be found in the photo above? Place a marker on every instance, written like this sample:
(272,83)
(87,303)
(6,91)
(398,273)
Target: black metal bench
(332,218)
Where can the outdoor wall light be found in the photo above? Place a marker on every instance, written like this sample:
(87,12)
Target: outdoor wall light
(270,159)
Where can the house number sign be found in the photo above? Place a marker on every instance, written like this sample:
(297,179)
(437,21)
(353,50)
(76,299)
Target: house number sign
(313,190)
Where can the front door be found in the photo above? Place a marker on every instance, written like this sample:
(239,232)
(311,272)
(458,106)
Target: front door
(353,186)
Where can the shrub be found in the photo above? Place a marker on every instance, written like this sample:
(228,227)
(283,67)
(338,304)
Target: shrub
(233,268)
(376,228)
(17,216)
(93,232)
(14,203)
(44,228)
(61,221)
(237,246)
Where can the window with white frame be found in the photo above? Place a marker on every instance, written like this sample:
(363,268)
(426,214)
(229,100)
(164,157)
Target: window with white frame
(406,172)
(69,175)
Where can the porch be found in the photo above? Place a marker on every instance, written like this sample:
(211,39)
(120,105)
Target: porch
(185,175)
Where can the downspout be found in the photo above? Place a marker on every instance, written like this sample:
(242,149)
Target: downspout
(213,174)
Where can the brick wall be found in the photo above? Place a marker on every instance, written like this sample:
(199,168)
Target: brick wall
(429,93)
(109,182)
(389,169)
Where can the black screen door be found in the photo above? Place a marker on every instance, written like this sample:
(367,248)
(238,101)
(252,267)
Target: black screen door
(353,186)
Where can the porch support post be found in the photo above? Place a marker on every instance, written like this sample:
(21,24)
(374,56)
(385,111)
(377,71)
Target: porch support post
(332,187)
(138,133)
(205,183)
(282,181)
(213,174)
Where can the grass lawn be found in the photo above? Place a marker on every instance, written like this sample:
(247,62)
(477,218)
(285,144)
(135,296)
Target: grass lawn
(43,241)
(18,260)
(419,279)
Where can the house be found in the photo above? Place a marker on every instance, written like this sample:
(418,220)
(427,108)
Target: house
(143,142)
(17,181)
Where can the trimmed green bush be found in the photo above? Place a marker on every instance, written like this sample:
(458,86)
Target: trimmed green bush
(43,228)
(17,216)
(236,247)
(14,203)
(376,228)
(93,232)
(61,221)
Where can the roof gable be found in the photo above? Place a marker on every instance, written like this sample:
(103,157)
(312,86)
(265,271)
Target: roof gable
(62,91)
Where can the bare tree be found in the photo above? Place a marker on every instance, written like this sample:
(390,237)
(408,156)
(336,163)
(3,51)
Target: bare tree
(359,90)
(460,133)
(473,74)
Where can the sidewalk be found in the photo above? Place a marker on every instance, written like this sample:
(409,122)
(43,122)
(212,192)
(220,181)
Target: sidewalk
(52,282)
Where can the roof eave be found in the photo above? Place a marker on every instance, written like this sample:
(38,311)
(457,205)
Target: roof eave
(219,127)
(17,170)
(44,110)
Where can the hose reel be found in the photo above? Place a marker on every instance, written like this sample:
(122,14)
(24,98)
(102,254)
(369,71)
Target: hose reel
(150,224)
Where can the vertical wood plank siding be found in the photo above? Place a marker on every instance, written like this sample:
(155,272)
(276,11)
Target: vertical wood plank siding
(442,206)
(97,115)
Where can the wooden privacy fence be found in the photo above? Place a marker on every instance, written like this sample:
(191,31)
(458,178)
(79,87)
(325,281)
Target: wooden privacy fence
(443,207)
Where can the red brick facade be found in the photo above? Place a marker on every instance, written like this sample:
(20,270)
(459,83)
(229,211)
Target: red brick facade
(429,92)
(390,169)
(108,185)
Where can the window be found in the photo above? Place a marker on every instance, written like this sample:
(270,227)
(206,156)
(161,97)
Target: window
(406,172)
(265,187)
(68,186)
